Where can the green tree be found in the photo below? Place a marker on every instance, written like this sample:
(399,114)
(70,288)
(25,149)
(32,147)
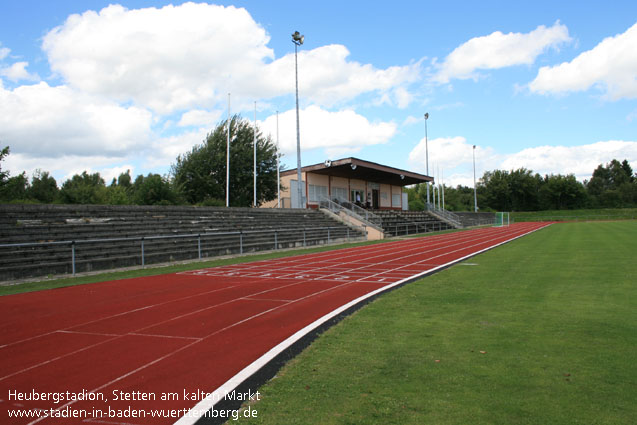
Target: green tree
(120,192)
(562,192)
(43,188)
(4,175)
(154,190)
(84,189)
(497,192)
(611,185)
(15,188)
(200,174)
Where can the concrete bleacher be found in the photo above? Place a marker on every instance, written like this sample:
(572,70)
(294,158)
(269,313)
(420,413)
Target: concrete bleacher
(397,223)
(469,219)
(226,231)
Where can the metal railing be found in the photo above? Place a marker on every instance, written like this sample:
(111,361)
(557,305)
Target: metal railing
(275,242)
(445,215)
(337,205)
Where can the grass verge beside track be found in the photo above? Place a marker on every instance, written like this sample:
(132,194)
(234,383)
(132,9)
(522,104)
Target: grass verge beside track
(576,215)
(540,331)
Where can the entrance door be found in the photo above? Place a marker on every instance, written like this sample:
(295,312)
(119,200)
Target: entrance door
(375,199)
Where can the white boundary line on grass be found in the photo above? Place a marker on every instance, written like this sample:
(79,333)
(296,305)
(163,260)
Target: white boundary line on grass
(199,410)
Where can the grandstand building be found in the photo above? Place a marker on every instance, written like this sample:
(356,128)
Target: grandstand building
(373,186)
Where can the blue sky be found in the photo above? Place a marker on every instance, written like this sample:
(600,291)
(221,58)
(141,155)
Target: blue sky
(549,86)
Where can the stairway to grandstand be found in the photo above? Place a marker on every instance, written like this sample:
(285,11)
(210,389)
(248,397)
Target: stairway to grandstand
(108,237)
(398,223)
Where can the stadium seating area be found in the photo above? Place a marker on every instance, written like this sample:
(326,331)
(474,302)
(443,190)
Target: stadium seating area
(396,223)
(224,231)
(469,219)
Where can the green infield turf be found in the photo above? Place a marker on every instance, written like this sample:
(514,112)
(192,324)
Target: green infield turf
(542,330)
(577,215)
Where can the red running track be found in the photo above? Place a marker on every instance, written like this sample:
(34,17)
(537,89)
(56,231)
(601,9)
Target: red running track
(200,332)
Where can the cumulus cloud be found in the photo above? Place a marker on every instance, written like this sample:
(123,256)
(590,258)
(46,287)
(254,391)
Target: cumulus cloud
(498,50)
(337,132)
(447,153)
(327,77)
(191,55)
(65,166)
(4,52)
(199,117)
(46,121)
(166,59)
(579,160)
(610,66)
(16,71)
(454,157)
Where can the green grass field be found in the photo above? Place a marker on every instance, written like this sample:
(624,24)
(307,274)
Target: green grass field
(540,331)
(577,215)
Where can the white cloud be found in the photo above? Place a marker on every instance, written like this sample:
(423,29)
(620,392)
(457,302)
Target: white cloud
(579,160)
(166,149)
(192,55)
(4,52)
(611,66)
(453,156)
(65,166)
(199,117)
(167,59)
(498,50)
(52,122)
(447,153)
(337,132)
(412,120)
(17,72)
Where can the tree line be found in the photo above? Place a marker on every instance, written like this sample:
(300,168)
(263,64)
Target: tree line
(198,177)
(612,185)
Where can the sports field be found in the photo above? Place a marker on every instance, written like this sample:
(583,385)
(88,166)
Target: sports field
(150,350)
(542,330)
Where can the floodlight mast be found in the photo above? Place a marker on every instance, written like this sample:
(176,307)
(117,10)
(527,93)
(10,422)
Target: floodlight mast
(427,154)
(475,192)
(254,146)
(278,156)
(228,157)
(298,39)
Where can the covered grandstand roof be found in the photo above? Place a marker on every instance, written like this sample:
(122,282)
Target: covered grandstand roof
(354,168)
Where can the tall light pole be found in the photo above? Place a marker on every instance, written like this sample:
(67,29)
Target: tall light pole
(475,193)
(427,153)
(442,183)
(298,39)
(254,144)
(228,158)
(278,177)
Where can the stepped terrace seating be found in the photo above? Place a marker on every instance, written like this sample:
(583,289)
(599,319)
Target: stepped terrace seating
(397,223)
(476,219)
(107,237)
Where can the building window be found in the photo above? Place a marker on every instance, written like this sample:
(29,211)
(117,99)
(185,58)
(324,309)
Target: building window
(395,200)
(317,192)
(339,193)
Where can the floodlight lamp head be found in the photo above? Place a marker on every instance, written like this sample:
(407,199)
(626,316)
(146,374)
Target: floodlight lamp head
(353,166)
(297,38)
(426,115)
